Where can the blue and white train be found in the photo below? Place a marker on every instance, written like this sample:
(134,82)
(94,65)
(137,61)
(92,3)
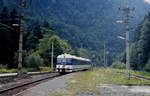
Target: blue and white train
(69,63)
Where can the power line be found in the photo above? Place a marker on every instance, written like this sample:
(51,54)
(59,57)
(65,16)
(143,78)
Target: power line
(9,27)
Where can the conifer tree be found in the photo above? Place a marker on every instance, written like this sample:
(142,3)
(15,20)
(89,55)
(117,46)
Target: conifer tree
(8,38)
(140,51)
(4,38)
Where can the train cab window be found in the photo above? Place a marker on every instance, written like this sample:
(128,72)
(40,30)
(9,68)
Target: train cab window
(58,60)
(64,60)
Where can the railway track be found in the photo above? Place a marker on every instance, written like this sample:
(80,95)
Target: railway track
(136,76)
(16,88)
(141,77)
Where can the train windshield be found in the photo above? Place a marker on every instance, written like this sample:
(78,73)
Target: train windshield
(60,60)
(63,60)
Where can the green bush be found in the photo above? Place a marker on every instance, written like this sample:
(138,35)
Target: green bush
(34,61)
(2,66)
(22,71)
(147,67)
(118,65)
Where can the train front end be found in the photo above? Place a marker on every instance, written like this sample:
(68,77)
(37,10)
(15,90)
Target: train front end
(63,64)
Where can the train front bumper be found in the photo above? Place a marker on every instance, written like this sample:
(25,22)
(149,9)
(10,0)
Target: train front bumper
(63,70)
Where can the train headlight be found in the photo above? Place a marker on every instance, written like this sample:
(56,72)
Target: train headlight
(58,66)
(63,66)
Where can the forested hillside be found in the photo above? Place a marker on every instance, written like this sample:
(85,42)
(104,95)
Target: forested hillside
(90,22)
(9,37)
(140,53)
(139,49)
(85,24)
(37,42)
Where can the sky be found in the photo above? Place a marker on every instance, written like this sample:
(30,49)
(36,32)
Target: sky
(148,1)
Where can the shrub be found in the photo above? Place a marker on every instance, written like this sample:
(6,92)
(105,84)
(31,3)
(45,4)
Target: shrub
(34,61)
(118,65)
(22,71)
(2,66)
(147,67)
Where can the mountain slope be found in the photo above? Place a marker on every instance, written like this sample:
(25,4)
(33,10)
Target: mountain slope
(93,20)
(86,23)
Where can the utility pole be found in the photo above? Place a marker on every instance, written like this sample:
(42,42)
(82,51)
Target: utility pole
(52,56)
(21,30)
(105,54)
(126,11)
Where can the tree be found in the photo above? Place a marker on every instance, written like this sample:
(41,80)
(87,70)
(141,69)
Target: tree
(32,38)
(46,24)
(14,20)
(140,51)
(118,65)
(133,56)
(147,67)
(83,52)
(5,41)
(34,60)
(35,34)
(45,45)
(9,37)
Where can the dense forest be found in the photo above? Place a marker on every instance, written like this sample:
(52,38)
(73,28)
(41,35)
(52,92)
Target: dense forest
(139,48)
(37,44)
(83,26)
(9,38)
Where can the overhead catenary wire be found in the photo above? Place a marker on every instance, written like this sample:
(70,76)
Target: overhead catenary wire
(8,27)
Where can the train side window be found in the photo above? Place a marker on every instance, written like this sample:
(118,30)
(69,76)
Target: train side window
(69,60)
(73,62)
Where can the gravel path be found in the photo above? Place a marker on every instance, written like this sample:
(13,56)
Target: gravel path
(121,90)
(59,84)
(47,89)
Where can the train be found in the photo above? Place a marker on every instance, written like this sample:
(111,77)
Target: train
(67,63)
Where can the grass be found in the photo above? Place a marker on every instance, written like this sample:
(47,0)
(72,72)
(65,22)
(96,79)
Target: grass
(140,73)
(83,84)
(8,70)
(43,69)
(46,69)
(88,82)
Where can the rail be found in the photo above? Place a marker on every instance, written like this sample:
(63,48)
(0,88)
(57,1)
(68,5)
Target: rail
(12,89)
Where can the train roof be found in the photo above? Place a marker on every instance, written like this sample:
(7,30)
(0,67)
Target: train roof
(73,57)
